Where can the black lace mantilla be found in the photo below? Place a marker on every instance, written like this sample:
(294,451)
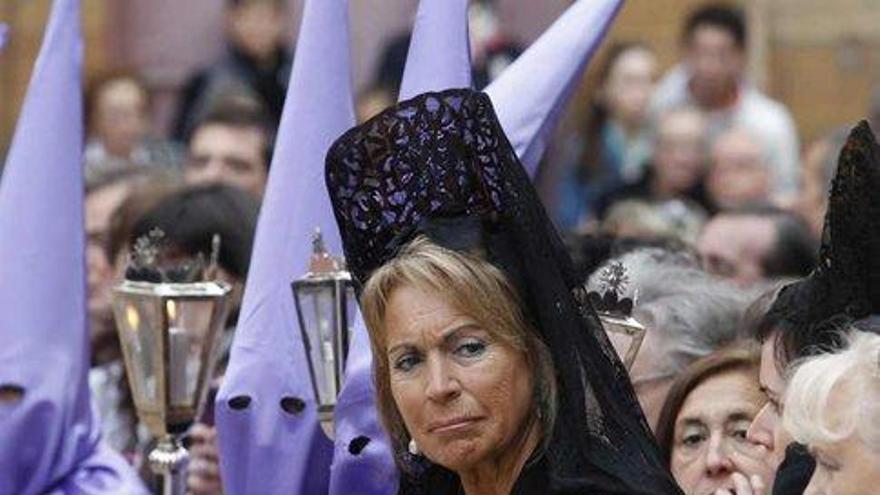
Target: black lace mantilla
(445,155)
(387,175)
(845,286)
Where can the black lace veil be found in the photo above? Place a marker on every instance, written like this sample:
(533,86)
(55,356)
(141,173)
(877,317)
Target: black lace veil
(845,286)
(444,156)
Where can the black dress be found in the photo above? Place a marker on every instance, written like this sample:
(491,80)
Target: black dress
(533,479)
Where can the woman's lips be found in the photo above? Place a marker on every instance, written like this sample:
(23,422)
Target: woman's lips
(453,425)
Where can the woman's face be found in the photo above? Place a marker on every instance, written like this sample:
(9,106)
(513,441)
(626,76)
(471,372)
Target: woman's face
(465,396)
(710,442)
(630,84)
(845,467)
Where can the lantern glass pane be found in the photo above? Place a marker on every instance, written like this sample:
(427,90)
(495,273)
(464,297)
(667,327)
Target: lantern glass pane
(189,336)
(626,336)
(318,310)
(140,324)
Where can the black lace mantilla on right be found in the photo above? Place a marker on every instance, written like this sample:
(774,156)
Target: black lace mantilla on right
(444,154)
(845,286)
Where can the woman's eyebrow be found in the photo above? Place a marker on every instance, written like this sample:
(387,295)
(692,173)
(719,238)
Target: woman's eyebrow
(691,421)
(455,331)
(741,415)
(400,346)
(449,335)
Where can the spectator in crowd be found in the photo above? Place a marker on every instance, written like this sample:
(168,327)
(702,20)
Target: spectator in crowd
(232,144)
(107,188)
(118,124)
(712,76)
(688,312)
(739,174)
(832,405)
(678,163)
(189,220)
(703,424)
(257,61)
(614,145)
(757,244)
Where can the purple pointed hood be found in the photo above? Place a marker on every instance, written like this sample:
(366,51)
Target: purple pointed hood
(439,54)
(268,429)
(530,95)
(51,439)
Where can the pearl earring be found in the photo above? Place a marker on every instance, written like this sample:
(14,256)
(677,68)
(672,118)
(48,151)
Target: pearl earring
(412,447)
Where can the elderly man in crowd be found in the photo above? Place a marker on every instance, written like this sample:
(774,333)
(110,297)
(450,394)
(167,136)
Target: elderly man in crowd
(756,244)
(739,174)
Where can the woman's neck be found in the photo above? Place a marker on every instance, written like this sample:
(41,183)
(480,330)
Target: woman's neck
(498,476)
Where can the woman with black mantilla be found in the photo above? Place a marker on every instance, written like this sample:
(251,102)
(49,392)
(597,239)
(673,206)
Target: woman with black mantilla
(493,373)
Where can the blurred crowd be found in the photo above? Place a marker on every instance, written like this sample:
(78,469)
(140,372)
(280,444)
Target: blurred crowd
(695,179)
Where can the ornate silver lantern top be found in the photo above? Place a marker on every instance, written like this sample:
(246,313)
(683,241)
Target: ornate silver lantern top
(615,312)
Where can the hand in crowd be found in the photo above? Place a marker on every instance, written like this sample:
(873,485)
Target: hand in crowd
(203,474)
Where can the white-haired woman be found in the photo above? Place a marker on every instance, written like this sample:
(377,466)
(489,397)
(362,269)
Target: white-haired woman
(832,404)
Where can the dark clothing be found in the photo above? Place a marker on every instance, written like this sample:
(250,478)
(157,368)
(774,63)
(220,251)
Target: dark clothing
(235,72)
(795,472)
(534,479)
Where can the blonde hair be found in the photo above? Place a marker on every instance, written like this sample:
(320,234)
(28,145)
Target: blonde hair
(473,286)
(811,416)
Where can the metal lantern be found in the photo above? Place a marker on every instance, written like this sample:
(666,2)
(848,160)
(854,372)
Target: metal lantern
(625,333)
(615,312)
(325,304)
(169,333)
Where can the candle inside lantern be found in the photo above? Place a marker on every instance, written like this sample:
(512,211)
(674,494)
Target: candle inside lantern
(178,342)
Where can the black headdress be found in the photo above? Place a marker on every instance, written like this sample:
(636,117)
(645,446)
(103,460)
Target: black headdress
(440,165)
(845,286)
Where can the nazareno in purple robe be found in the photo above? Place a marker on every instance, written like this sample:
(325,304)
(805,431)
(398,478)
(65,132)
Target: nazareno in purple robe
(49,437)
